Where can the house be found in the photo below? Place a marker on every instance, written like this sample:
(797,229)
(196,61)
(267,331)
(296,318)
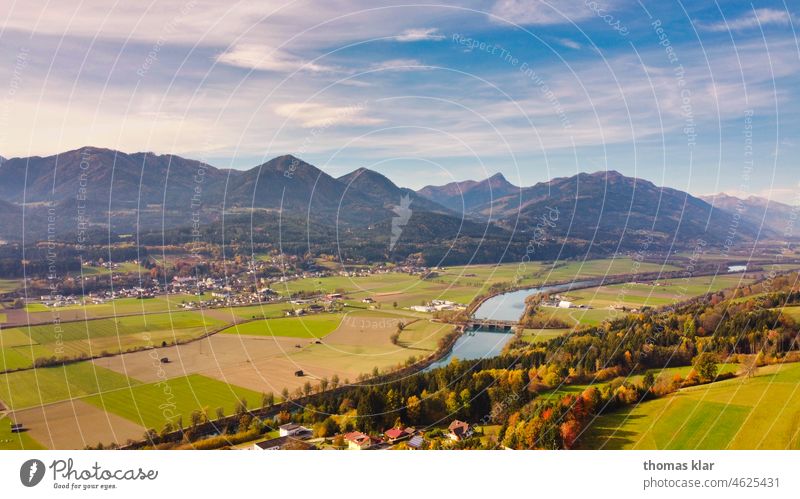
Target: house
(564,304)
(283,443)
(293,430)
(459,430)
(368,300)
(334,296)
(358,441)
(416,442)
(395,435)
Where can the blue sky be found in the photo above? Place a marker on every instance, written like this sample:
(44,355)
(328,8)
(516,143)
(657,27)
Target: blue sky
(700,96)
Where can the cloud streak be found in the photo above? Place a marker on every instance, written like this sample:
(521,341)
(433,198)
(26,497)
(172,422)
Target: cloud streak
(750,20)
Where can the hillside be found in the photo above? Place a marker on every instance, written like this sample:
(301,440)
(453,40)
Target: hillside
(470,196)
(771,216)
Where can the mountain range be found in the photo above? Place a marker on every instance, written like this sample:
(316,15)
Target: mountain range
(101,195)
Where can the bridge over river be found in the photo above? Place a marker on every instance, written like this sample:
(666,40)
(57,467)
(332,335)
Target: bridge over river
(490,324)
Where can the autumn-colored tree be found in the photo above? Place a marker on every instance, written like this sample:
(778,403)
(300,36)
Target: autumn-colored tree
(413,409)
(570,430)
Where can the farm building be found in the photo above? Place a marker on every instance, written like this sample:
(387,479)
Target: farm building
(459,430)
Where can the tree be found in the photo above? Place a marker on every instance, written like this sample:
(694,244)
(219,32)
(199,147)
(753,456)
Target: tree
(267,399)
(750,365)
(307,388)
(413,409)
(338,441)
(689,328)
(334,381)
(323,384)
(648,381)
(241,407)
(705,365)
(327,428)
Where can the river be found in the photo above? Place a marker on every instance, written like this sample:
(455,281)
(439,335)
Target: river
(509,306)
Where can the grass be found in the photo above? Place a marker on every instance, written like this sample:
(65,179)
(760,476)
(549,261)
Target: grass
(267,311)
(461,283)
(154,404)
(8,285)
(125,306)
(534,336)
(121,326)
(756,413)
(100,335)
(579,316)
(122,268)
(52,384)
(36,307)
(310,326)
(16,441)
(656,294)
(793,312)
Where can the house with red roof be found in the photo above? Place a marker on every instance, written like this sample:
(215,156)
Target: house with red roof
(459,430)
(395,435)
(358,441)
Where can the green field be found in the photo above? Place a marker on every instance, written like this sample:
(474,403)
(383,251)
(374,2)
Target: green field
(267,311)
(579,316)
(126,306)
(8,285)
(309,326)
(36,307)
(122,268)
(15,441)
(534,336)
(461,283)
(793,312)
(655,294)
(757,413)
(153,404)
(51,384)
(101,335)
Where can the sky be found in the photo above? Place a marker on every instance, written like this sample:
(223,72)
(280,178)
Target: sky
(701,96)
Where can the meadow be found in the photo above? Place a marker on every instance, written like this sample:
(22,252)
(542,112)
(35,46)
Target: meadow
(34,387)
(16,441)
(308,326)
(94,337)
(461,284)
(654,294)
(154,404)
(740,413)
(579,316)
(793,312)
(542,335)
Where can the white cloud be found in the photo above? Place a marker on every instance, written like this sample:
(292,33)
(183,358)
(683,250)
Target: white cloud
(758,17)
(572,44)
(419,34)
(544,12)
(399,65)
(313,115)
(267,59)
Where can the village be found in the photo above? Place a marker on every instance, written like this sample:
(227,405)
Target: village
(293,436)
